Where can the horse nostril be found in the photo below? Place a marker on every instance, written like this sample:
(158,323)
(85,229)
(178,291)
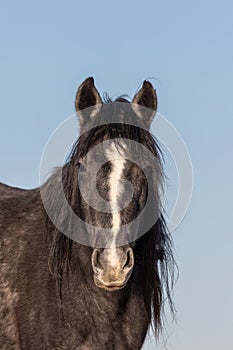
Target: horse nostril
(129,259)
(96,263)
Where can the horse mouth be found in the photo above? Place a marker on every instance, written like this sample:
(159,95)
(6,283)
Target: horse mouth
(111,287)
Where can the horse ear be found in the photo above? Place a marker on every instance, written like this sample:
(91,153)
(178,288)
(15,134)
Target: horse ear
(146,97)
(87,96)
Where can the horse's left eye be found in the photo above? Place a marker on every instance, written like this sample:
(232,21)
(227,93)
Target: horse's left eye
(147,171)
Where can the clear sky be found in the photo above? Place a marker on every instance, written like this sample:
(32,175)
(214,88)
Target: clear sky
(49,47)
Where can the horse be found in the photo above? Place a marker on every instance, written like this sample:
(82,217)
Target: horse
(61,288)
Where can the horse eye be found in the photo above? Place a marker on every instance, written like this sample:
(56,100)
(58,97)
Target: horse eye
(81,167)
(148,170)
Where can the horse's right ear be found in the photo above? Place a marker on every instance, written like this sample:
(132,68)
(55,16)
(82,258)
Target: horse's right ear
(87,96)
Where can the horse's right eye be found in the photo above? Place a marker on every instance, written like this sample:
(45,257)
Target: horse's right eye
(81,167)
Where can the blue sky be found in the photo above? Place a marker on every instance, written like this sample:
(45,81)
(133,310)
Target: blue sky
(48,48)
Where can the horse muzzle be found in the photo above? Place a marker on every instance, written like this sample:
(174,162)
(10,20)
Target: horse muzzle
(112,267)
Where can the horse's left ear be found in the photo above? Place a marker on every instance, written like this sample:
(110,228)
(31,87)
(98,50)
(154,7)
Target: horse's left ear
(146,97)
(87,96)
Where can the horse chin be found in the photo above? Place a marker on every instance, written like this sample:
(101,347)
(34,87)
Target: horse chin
(111,287)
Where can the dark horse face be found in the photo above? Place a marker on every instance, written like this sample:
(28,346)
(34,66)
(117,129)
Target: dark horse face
(118,178)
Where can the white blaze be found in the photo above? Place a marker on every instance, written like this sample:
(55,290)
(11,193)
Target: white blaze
(118,163)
